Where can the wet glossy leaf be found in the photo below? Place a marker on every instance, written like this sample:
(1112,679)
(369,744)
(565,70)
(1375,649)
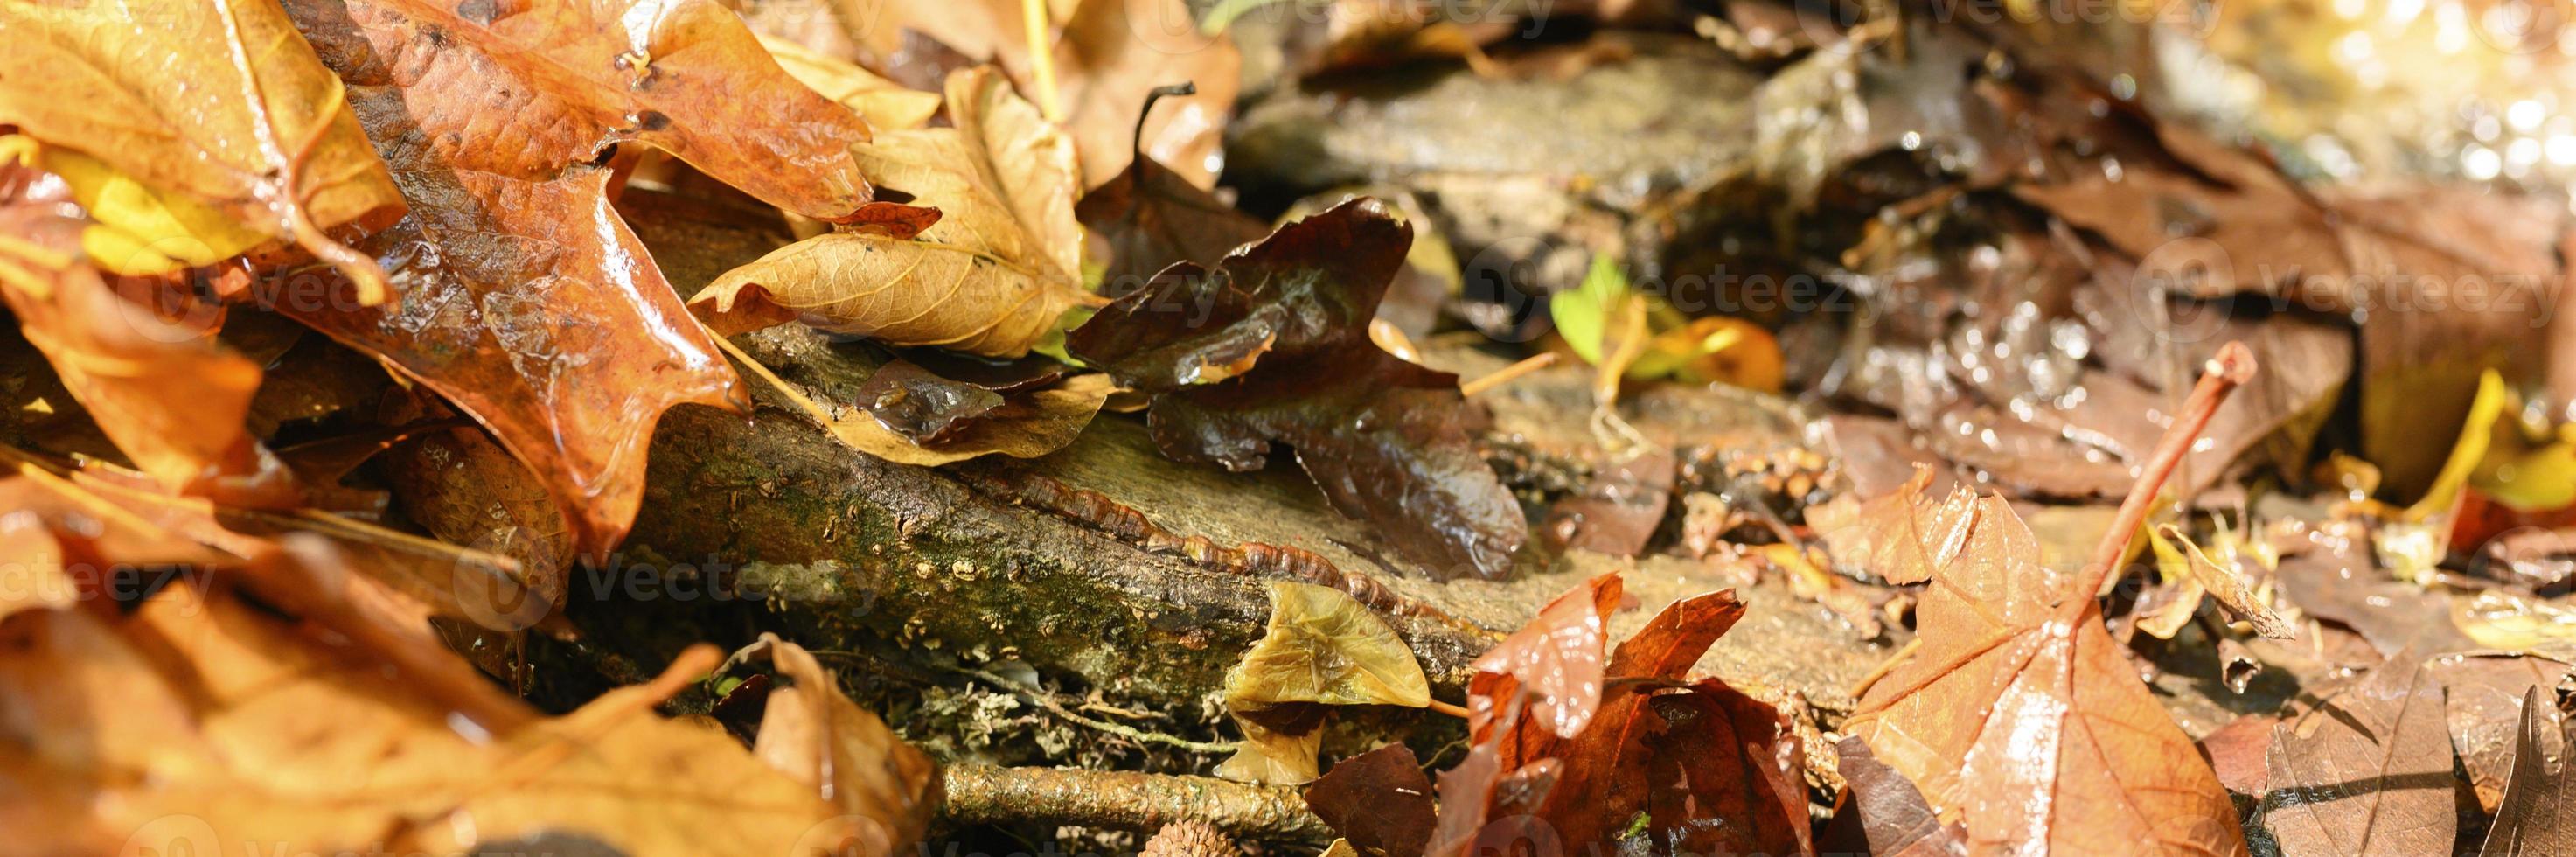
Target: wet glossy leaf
(1618,511)
(2538,813)
(1553,666)
(2017,715)
(2367,772)
(989,275)
(1272,347)
(921,406)
(208,108)
(529,303)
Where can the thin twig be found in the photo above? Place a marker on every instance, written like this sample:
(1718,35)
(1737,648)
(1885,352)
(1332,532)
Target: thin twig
(1043,699)
(1457,711)
(1507,374)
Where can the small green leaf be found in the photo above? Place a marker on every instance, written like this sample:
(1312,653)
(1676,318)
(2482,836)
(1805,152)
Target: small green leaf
(1583,316)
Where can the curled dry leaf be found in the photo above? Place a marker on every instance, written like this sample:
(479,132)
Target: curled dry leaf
(2181,560)
(1272,347)
(1322,647)
(1108,56)
(885,104)
(232,125)
(1379,802)
(2538,814)
(138,353)
(842,753)
(1029,422)
(990,275)
(529,304)
(2368,772)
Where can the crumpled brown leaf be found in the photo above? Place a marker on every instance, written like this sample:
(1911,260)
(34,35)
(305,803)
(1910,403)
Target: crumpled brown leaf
(528,303)
(843,753)
(1322,647)
(988,272)
(219,103)
(2482,703)
(1108,55)
(1272,347)
(2368,772)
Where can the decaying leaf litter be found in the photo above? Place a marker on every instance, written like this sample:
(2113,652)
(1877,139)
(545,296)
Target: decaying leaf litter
(1308,426)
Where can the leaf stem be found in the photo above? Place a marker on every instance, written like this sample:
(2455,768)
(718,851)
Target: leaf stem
(1033,18)
(1457,711)
(2232,367)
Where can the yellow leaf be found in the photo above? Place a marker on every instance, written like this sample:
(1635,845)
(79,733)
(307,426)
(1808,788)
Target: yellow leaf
(232,119)
(1323,646)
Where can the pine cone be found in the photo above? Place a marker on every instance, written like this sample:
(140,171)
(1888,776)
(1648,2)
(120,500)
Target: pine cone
(1190,838)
